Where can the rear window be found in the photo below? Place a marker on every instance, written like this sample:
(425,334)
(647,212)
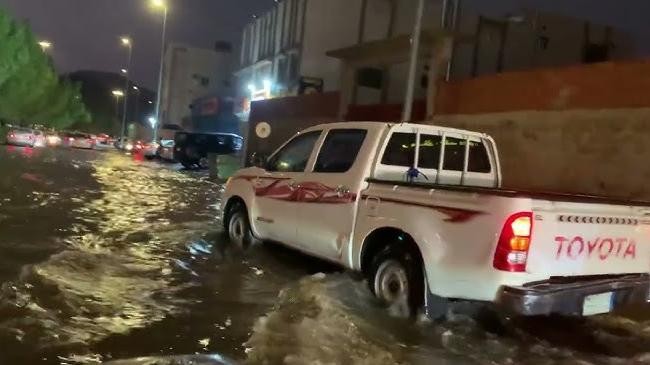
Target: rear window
(430,146)
(400,150)
(454,154)
(479,161)
(340,150)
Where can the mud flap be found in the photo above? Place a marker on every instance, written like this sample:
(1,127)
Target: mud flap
(435,307)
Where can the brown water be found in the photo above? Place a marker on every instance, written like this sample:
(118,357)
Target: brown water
(104,258)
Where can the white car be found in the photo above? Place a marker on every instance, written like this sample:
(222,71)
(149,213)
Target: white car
(18,136)
(419,211)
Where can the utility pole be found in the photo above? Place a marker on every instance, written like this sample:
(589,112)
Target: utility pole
(415,47)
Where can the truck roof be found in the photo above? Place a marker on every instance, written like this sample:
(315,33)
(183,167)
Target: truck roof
(381,125)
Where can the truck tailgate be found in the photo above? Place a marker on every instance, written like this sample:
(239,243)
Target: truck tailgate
(580,239)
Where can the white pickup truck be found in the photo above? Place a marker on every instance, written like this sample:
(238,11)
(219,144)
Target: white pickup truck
(419,211)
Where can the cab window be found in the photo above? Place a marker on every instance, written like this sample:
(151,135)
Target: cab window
(293,157)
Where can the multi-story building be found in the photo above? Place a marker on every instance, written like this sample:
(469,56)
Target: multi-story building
(190,73)
(285,51)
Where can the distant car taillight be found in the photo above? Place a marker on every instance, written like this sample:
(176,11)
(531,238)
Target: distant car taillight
(512,250)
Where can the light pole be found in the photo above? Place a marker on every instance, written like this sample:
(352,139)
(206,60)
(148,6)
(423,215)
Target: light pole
(160,4)
(413,63)
(117,94)
(137,102)
(126,42)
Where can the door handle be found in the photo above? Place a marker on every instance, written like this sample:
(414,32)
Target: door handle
(342,190)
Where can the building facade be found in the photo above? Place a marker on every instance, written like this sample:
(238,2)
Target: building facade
(284,51)
(190,73)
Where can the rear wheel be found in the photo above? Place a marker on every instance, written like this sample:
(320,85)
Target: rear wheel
(239,228)
(396,279)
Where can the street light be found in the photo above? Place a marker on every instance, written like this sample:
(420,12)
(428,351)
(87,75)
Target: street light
(135,88)
(153,122)
(128,43)
(45,45)
(161,5)
(118,93)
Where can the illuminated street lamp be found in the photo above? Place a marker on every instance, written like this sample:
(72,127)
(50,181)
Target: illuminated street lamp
(160,5)
(153,122)
(128,43)
(45,45)
(118,93)
(135,88)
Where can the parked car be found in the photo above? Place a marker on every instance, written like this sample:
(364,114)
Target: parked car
(191,149)
(79,140)
(103,142)
(419,211)
(166,150)
(19,136)
(39,138)
(52,139)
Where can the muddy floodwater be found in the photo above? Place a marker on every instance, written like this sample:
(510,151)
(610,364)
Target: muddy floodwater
(104,258)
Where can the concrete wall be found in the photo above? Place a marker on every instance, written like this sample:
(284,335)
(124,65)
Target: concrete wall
(602,152)
(287,116)
(595,86)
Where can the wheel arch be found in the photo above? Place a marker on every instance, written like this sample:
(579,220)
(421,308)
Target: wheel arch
(382,237)
(228,209)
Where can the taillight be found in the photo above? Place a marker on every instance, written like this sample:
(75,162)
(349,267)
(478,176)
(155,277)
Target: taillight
(512,250)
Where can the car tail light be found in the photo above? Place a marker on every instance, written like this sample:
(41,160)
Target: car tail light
(12,135)
(512,250)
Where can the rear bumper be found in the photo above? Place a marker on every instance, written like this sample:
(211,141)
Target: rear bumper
(566,296)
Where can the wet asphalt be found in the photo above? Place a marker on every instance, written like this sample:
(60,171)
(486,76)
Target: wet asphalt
(106,257)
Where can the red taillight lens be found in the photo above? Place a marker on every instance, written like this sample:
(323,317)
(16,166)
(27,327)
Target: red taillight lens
(512,250)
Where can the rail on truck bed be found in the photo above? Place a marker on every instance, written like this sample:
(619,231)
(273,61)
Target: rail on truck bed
(540,195)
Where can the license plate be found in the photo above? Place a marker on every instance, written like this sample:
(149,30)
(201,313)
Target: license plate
(597,304)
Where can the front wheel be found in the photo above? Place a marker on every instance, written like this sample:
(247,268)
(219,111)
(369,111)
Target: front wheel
(239,229)
(397,280)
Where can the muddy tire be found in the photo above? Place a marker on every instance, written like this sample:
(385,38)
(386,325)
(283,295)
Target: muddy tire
(239,229)
(396,279)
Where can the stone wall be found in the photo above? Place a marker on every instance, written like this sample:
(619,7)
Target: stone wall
(602,152)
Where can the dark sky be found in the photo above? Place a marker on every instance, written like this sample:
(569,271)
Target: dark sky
(85,32)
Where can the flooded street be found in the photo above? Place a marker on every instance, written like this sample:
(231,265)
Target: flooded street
(105,258)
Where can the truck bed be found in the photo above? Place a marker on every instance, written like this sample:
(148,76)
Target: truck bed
(541,195)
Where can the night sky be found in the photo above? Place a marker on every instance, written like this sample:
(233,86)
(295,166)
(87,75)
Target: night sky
(85,32)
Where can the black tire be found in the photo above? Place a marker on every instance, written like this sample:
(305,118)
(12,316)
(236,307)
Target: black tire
(397,280)
(239,228)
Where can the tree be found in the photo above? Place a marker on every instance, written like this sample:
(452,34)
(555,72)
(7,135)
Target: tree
(30,89)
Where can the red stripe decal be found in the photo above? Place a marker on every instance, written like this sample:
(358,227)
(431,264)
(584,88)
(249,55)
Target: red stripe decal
(306,192)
